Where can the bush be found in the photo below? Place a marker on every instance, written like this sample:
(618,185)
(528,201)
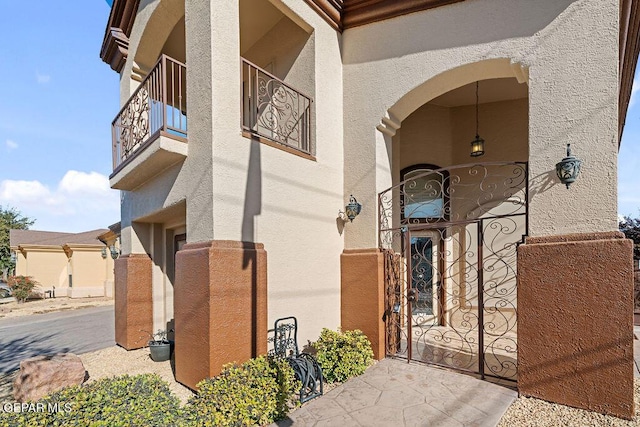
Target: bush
(343,355)
(254,393)
(22,287)
(141,400)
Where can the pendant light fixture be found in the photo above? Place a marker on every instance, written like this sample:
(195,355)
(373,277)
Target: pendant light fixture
(477,145)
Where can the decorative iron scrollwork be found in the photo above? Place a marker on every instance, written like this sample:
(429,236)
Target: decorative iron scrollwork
(453,302)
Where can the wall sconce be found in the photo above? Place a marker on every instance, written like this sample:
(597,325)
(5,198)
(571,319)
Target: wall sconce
(14,257)
(115,253)
(103,252)
(352,209)
(568,168)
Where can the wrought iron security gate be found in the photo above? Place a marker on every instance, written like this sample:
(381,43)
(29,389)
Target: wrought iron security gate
(450,237)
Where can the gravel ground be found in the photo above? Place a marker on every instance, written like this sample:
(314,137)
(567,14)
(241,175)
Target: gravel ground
(49,305)
(115,360)
(110,362)
(530,412)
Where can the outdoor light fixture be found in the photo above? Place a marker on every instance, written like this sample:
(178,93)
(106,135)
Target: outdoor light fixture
(352,209)
(115,253)
(568,168)
(477,145)
(103,252)
(13,257)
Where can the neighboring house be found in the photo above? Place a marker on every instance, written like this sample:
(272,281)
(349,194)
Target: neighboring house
(75,265)
(246,125)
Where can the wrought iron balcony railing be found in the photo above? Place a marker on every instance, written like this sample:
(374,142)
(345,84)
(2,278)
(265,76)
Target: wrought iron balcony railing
(157,106)
(274,110)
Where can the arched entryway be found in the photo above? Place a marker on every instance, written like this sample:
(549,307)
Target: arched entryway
(450,226)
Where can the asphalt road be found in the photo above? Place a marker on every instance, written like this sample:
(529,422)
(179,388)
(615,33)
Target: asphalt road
(78,331)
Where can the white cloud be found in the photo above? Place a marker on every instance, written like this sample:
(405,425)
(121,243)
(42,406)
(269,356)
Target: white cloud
(11,145)
(76,183)
(634,92)
(43,78)
(79,202)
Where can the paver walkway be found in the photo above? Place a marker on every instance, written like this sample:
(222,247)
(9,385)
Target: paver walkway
(397,393)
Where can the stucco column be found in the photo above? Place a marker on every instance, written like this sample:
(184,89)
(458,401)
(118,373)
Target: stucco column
(201,28)
(573,98)
(575,321)
(133,302)
(362,295)
(220,307)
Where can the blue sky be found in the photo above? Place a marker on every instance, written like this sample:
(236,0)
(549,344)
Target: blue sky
(57,100)
(629,157)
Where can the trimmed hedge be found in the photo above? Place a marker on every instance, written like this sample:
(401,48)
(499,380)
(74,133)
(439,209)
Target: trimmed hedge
(343,355)
(141,400)
(257,392)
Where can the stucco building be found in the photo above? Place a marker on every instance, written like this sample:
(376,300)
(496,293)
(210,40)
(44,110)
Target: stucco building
(74,265)
(247,125)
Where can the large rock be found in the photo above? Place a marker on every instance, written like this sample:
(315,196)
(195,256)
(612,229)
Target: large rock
(42,375)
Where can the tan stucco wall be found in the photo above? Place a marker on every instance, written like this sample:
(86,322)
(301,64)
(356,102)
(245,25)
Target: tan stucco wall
(572,77)
(442,135)
(48,266)
(51,266)
(241,190)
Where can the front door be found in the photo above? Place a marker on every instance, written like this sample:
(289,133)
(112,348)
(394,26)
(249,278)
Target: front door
(422,267)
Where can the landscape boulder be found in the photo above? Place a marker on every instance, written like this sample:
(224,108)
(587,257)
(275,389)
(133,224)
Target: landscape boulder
(42,375)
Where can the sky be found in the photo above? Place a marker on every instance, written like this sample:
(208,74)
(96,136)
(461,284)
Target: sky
(57,100)
(629,157)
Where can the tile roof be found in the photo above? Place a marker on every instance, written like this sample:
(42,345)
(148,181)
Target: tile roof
(53,238)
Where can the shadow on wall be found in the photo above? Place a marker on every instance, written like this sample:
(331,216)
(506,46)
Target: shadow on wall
(252,208)
(541,183)
(483,24)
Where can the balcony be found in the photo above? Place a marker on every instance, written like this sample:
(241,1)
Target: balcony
(150,132)
(275,112)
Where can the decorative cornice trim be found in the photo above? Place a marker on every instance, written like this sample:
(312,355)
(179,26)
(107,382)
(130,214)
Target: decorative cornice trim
(329,10)
(361,12)
(629,50)
(115,45)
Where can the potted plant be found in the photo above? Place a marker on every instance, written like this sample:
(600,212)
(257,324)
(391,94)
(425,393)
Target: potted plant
(160,346)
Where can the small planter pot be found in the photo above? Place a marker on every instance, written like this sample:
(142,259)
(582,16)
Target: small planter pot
(160,350)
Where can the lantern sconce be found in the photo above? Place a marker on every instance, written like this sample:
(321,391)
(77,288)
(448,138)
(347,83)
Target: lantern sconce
(351,211)
(568,168)
(115,253)
(103,252)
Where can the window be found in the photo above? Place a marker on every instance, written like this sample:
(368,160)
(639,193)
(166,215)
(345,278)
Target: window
(424,194)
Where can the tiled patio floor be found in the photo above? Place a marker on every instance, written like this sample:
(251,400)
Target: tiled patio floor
(397,393)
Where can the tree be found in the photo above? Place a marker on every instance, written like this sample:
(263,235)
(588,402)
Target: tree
(10,219)
(631,229)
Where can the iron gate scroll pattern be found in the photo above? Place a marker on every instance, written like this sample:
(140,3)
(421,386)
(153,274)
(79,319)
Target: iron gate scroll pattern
(450,240)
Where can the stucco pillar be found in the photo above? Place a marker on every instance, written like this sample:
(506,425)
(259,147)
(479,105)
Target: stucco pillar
(362,295)
(575,321)
(220,307)
(133,301)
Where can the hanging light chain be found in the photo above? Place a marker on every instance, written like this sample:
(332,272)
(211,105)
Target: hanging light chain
(477,115)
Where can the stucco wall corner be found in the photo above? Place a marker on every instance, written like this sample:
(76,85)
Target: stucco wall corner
(575,322)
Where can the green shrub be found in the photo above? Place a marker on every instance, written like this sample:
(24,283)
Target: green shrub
(141,400)
(22,287)
(254,393)
(343,355)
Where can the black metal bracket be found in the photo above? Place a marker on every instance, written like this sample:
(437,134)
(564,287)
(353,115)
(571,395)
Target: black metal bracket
(304,365)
